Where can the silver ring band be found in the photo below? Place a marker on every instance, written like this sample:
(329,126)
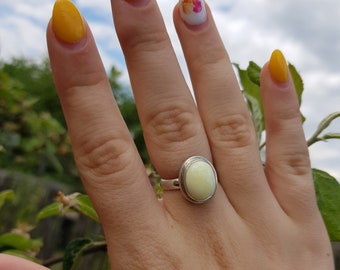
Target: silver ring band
(197,180)
(170,184)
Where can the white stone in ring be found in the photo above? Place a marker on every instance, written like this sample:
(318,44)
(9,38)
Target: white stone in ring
(198,179)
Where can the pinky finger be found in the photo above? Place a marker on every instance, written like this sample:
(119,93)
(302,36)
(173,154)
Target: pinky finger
(287,160)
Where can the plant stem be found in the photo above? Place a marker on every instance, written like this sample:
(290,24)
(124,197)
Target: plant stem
(90,250)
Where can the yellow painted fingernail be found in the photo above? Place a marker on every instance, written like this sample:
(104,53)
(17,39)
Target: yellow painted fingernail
(67,22)
(278,67)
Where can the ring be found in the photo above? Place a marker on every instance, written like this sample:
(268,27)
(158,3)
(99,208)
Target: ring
(197,180)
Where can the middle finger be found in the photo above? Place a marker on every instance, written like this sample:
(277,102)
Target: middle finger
(171,124)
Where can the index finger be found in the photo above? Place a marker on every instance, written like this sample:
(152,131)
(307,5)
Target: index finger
(108,162)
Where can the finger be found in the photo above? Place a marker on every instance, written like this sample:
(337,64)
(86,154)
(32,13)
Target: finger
(287,160)
(11,262)
(171,124)
(107,160)
(224,113)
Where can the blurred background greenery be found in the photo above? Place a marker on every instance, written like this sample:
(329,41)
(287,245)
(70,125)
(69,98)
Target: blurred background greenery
(33,137)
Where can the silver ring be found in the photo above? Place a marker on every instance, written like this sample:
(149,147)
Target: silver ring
(197,180)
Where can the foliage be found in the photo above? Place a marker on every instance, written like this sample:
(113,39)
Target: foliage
(127,107)
(250,80)
(33,133)
(328,191)
(75,202)
(18,241)
(6,195)
(33,138)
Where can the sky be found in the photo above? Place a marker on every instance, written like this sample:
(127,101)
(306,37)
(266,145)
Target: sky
(308,33)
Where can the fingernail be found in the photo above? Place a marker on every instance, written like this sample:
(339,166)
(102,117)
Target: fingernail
(67,22)
(193,11)
(278,67)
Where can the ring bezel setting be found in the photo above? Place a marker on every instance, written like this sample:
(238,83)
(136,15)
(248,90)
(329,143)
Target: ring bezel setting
(197,180)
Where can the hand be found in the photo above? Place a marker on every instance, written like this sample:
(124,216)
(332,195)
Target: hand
(258,219)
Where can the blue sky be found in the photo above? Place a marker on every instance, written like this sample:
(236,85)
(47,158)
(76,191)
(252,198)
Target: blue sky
(307,33)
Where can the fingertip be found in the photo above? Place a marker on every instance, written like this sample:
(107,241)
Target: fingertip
(278,67)
(193,13)
(9,262)
(269,83)
(54,41)
(193,20)
(275,74)
(67,28)
(67,22)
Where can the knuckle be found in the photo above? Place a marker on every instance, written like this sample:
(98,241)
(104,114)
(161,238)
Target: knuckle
(298,163)
(290,113)
(171,124)
(215,52)
(282,120)
(145,258)
(292,160)
(142,41)
(215,57)
(232,131)
(103,158)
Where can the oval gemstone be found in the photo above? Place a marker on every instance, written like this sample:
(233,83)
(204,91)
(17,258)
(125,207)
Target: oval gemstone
(200,181)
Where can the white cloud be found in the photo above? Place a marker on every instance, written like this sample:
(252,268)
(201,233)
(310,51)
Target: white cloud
(22,28)
(21,37)
(37,11)
(98,6)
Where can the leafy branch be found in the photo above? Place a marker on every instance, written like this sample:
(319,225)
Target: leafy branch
(74,250)
(321,127)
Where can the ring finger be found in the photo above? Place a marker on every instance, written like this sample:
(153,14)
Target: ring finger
(224,113)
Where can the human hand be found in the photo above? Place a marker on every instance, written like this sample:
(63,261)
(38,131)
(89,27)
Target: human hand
(258,218)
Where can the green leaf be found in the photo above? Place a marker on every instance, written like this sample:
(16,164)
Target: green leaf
(299,87)
(328,198)
(250,81)
(331,135)
(73,252)
(85,206)
(254,73)
(321,127)
(53,209)
(70,203)
(52,157)
(298,82)
(327,121)
(15,241)
(6,195)
(257,116)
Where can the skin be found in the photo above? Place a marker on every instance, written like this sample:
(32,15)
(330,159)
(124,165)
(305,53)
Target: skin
(258,219)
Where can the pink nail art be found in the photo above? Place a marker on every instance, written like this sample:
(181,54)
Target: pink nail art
(193,11)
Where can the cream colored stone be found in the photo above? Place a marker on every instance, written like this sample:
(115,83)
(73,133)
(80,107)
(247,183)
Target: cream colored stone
(200,181)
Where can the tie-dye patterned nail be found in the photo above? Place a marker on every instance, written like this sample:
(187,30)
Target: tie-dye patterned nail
(193,11)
